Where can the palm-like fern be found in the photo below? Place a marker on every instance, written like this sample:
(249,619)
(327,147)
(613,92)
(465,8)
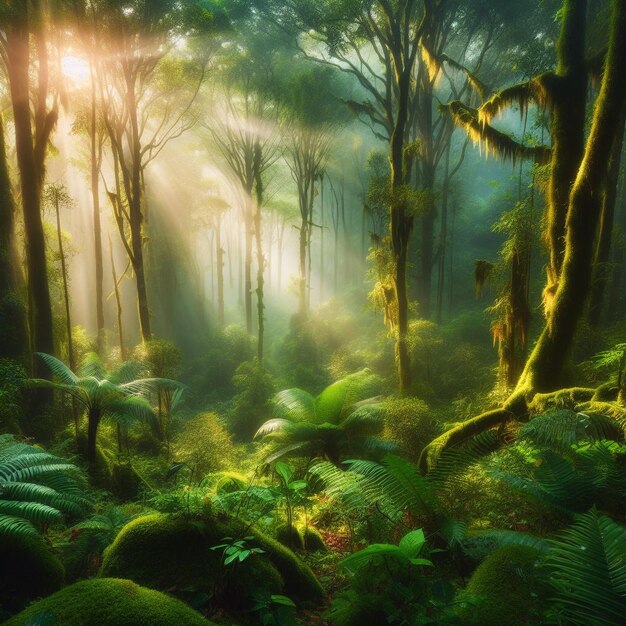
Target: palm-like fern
(37,489)
(343,418)
(588,572)
(120,395)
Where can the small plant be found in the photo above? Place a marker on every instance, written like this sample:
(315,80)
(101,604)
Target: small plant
(237,550)
(275,610)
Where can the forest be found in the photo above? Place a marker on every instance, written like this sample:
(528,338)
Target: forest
(312,312)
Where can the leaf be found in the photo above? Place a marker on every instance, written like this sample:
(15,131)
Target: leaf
(588,563)
(297,485)
(283,601)
(284,471)
(412,543)
(295,405)
(174,469)
(363,557)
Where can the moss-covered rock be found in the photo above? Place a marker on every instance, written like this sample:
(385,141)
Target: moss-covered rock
(175,553)
(28,570)
(289,536)
(313,540)
(109,602)
(506,588)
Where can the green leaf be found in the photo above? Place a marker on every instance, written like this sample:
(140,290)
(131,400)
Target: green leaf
(412,543)
(284,471)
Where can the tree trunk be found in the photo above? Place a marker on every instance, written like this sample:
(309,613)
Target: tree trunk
(602,268)
(118,303)
(40,314)
(545,364)
(66,291)
(220,273)
(401,224)
(96,160)
(13,327)
(568,96)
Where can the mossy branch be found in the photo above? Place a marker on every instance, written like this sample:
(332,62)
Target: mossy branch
(460,433)
(494,141)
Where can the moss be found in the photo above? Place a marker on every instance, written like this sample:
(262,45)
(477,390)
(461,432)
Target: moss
(168,552)
(28,570)
(290,536)
(229,482)
(507,588)
(110,602)
(313,540)
(605,393)
(563,398)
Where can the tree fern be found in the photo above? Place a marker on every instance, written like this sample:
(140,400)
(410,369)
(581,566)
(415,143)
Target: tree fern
(37,489)
(588,572)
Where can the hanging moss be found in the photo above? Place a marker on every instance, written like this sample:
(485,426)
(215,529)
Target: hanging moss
(108,602)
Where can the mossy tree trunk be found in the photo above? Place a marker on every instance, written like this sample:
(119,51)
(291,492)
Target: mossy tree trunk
(545,364)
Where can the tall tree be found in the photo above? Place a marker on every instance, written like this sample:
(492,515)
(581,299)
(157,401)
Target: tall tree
(13,326)
(24,41)
(147,93)
(584,209)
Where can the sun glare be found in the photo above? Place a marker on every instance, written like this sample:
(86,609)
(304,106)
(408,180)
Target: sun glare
(76,69)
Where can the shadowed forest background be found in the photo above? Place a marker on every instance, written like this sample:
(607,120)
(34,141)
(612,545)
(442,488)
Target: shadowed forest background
(312,312)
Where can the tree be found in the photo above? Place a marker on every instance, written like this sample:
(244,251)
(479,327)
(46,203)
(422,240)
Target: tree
(28,71)
(57,197)
(118,395)
(247,138)
(147,93)
(13,326)
(545,363)
(336,33)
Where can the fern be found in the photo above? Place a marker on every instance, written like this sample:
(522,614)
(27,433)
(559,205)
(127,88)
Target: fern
(589,571)
(37,489)
(559,430)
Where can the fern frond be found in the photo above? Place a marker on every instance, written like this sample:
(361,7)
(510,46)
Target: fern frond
(294,404)
(588,563)
(59,370)
(33,512)
(16,527)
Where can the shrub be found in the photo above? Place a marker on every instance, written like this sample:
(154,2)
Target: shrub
(251,405)
(167,552)
(108,602)
(507,587)
(409,422)
(28,570)
(13,378)
(204,444)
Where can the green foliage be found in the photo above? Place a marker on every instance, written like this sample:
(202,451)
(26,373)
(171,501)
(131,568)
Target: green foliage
(13,379)
(237,550)
(509,586)
(204,444)
(410,423)
(587,572)
(405,553)
(162,358)
(340,420)
(37,489)
(251,404)
(29,570)
(108,602)
(82,554)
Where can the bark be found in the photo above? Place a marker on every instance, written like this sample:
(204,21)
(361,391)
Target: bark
(30,163)
(96,161)
(602,268)
(567,92)
(118,304)
(545,364)
(13,326)
(260,259)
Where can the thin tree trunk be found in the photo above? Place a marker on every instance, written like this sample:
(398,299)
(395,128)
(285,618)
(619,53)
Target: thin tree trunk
(602,268)
(118,303)
(96,160)
(13,326)
(220,274)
